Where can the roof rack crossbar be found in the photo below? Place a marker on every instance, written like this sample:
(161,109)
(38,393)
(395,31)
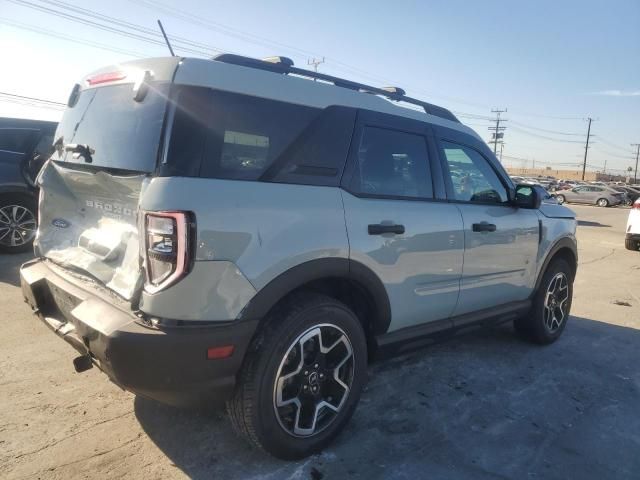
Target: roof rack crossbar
(284,68)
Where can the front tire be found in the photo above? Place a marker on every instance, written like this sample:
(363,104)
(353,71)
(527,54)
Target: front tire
(602,202)
(631,244)
(551,305)
(302,378)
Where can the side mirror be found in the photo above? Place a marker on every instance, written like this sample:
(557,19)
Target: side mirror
(528,196)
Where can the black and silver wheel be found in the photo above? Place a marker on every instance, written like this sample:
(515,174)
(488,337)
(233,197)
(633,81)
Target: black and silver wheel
(18,223)
(551,305)
(602,202)
(302,379)
(560,199)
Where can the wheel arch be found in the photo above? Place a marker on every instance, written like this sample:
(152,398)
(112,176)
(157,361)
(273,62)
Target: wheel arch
(348,281)
(564,248)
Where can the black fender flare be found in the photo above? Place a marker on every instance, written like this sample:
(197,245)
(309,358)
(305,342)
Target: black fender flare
(563,243)
(318,269)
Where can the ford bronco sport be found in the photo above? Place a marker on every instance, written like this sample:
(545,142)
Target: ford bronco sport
(230,230)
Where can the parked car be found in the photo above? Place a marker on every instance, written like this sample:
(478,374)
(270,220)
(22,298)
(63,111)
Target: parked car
(631,194)
(23,147)
(591,194)
(230,229)
(632,237)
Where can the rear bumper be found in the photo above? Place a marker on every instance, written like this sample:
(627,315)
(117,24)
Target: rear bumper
(169,365)
(633,236)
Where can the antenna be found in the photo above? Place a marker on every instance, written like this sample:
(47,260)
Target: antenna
(165,38)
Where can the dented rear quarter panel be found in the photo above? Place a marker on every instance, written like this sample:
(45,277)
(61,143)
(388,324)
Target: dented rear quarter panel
(262,228)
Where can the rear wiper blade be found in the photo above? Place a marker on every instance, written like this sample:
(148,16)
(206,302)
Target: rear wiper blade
(80,150)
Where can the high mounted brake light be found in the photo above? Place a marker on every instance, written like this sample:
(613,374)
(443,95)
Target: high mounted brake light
(106,78)
(166,248)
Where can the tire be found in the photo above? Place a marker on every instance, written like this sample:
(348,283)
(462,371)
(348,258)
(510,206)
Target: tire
(18,223)
(561,199)
(542,325)
(631,244)
(253,408)
(602,202)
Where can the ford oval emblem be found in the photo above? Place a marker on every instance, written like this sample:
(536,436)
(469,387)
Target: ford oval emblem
(60,223)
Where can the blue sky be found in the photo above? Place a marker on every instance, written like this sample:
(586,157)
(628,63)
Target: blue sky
(550,63)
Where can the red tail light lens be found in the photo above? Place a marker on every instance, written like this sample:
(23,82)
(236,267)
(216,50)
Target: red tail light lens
(636,205)
(167,248)
(106,78)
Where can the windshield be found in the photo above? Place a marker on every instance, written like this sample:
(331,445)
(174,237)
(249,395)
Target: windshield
(123,133)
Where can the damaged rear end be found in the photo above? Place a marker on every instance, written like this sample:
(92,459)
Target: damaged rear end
(98,252)
(106,151)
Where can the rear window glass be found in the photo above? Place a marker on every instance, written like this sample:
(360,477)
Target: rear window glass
(230,136)
(249,133)
(125,134)
(15,140)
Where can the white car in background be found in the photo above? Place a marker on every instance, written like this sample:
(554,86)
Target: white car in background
(632,238)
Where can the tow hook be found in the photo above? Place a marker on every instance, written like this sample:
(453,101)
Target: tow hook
(82,363)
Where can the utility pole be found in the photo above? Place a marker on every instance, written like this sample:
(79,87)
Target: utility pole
(501,149)
(586,147)
(498,131)
(635,175)
(315,62)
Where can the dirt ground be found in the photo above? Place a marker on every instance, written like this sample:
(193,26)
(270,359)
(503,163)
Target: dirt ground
(484,405)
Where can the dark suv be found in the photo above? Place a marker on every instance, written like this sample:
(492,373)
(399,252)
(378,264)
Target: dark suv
(23,146)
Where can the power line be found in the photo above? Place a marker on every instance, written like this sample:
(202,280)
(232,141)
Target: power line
(32,99)
(635,175)
(498,131)
(123,23)
(586,147)
(544,137)
(315,62)
(545,130)
(77,40)
(119,31)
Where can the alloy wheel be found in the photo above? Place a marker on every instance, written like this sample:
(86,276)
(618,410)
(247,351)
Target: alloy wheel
(555,302)
(314,380)
(17,225)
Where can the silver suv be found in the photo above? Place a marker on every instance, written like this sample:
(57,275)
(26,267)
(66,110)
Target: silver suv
(231,230)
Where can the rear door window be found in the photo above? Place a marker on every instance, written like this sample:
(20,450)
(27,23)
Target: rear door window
(392,163)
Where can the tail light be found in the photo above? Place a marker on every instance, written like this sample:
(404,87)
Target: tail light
(166,248)
(636,205)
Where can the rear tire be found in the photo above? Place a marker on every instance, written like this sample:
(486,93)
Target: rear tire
(18,223)
(560,199)
(602,202)
(549,313)
(631,244)
(285,363)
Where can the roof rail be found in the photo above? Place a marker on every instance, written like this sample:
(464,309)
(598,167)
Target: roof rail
(284,65)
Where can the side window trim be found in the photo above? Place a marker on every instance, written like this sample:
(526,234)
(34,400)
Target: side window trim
(371,119)
(447,173)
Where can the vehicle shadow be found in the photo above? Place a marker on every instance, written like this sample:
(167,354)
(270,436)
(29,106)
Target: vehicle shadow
(10,267)
(586,223)
(479,406)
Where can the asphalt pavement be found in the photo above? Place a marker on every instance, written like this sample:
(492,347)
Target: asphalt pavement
(483,405)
